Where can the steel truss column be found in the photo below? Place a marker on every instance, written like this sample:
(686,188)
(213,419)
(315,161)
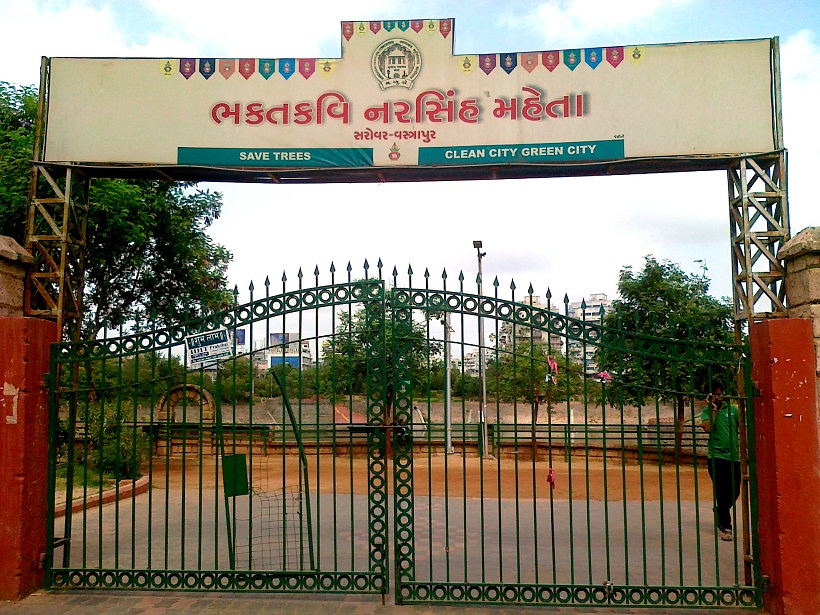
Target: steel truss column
(56,238)
(759,222)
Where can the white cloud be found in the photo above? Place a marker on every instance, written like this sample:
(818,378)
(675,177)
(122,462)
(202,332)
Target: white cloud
(573,22)
(800,70)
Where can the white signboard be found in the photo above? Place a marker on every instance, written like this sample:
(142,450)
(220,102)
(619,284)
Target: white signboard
(208,348)
(398,97)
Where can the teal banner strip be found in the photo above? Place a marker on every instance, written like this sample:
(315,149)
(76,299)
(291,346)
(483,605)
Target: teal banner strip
(276,157)
(577,151)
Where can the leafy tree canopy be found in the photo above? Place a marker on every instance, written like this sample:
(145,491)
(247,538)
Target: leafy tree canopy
(148,252)
(663,301)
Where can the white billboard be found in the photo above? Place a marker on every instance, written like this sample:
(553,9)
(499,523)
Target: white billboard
(398,97)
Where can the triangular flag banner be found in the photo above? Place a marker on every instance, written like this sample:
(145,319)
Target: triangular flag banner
(347,30)
(593,57)
(247,67)
(572,58)
(227,68)
(487,62)
(431,27)
(267,68)
(636,54)
(307,67)
(614,55)
(445,26)
(361,28)
(287,67)
(166,67)
(403,25)
(466,64)
(529,61)
(509,61)
(326,67)
(375,26)
(389,25)
(207,67)
(187,66)
(550,59)
(416,25)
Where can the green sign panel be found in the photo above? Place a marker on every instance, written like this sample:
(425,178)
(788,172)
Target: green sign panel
(577,151)
(276,157)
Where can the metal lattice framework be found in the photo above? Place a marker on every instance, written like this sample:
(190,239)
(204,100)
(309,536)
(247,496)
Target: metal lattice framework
(759,225)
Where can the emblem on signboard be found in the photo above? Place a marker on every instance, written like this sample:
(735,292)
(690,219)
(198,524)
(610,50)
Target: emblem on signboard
(396,63)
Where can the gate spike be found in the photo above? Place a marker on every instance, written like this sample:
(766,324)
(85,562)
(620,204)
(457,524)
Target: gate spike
(332,267)
(284,277)
(426,273)
(478,278)
(549,294)
(250,286)
(379,264)
(460,276)
(349,267)
(395,271)
(409,270)
(496,283)
(583,305)
(316,270)
(529,290)
(566,299)
(267,282)
(512,284)
(444,274)
(366,267)
(299,275)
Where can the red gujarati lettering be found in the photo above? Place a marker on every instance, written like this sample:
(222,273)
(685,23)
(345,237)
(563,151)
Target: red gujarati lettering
(560,103)
(468,111)
(431,104)
(223,111)
(505,108)
(533,109)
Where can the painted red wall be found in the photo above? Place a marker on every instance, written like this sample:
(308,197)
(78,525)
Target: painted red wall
(24,362)
(788,464)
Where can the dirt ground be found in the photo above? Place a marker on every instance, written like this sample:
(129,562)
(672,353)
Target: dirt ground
(458,476)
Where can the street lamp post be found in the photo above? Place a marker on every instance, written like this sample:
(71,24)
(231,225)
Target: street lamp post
(482,414)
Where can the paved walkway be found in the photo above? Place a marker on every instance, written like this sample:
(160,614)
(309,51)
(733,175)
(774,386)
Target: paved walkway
(128,603)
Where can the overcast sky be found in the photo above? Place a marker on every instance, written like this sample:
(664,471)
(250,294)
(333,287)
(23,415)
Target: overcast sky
(571,235)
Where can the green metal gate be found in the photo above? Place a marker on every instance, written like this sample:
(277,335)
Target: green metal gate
(270,469)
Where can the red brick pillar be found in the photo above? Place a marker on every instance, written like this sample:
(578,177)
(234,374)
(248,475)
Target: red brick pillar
(788,464)
(24,362)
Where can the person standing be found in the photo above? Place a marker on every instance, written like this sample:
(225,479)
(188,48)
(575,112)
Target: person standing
(720,420)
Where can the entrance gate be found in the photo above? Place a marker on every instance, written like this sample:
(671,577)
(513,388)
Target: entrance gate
(342,457)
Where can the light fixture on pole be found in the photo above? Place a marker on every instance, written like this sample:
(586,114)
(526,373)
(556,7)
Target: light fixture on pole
(482,413)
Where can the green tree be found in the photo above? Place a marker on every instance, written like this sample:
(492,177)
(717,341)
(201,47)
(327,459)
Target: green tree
(148,254)
(344,369)
(662,302)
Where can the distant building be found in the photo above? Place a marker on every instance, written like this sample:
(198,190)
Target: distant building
(279,349)
(469,364)
(590,310)
(509,334)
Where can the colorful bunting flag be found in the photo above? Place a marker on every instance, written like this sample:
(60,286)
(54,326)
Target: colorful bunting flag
(247,67)
(593,57)
(287,66)
(466,64)
(307,67)
(636,54)
(389,25)
(445,26)
(487,62)
(614,55)
(347,30)
(207,67)
(187,66)
(227,68)
(509,61)
(267,68)
(550,59)
(361,28)
(166,67)
(572,58)
(326,67)
(529,61)
(375,26)
(431,27)
(416,25)
(403,25)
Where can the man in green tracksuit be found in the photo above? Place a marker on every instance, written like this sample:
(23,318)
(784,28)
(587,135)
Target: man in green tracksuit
(720,420)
